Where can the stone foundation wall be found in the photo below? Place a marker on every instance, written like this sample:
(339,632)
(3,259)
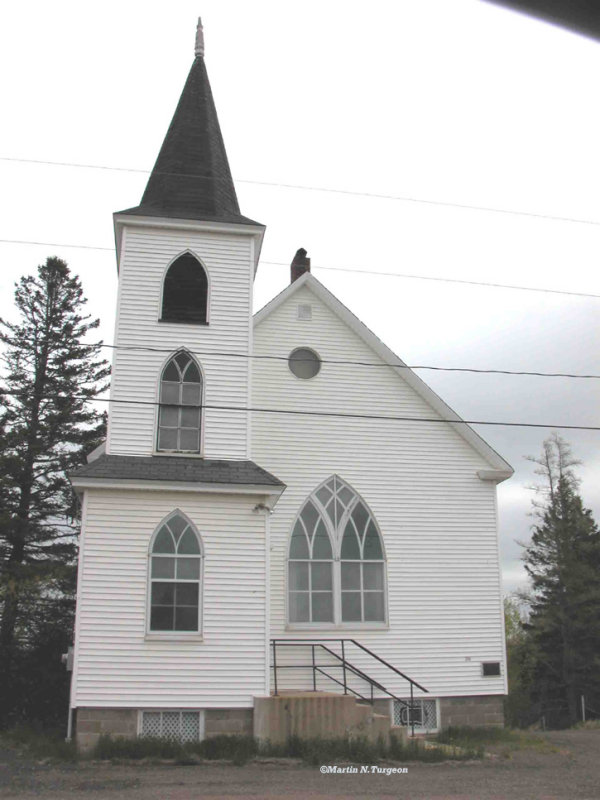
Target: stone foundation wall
(91,723)
(228,720)
(479,710)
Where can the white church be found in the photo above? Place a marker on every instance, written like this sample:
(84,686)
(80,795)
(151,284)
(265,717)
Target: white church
(271,544)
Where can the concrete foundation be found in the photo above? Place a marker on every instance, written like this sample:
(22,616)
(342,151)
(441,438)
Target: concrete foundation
(476,711)
(228,720)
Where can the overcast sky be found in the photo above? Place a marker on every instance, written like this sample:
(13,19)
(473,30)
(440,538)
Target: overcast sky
(459,102)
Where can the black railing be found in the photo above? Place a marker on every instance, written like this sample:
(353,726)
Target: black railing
(347,668)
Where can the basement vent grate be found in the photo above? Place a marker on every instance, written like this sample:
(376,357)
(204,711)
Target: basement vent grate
(180,725)
(304,311)
(424,714)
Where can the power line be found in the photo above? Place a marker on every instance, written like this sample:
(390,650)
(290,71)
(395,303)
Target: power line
(385,364)
(349,270)
(340,362)
(336,414)
(325,189)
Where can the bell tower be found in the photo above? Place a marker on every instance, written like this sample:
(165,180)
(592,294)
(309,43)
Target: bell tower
(186,258)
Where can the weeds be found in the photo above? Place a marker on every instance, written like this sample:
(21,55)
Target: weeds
(42,744)
(238,749)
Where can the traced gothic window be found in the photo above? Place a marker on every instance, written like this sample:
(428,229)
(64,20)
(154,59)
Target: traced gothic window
(175,576)
(336,560)
(185,291)
(180,413)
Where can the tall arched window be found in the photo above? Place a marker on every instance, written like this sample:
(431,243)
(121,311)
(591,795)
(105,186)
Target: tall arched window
(180,412)
(310,569)
(336,559)
(185,291)
(175,576)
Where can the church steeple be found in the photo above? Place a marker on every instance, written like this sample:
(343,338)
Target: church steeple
(191,178)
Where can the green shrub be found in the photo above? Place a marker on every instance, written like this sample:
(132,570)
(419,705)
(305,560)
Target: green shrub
(238,749)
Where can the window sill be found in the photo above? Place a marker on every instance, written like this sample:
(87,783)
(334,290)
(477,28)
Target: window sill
(177,453)
(182,322)
(173,636)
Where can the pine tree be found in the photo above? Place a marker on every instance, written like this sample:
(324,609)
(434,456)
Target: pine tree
(47,424)
(563,562)
(519,711)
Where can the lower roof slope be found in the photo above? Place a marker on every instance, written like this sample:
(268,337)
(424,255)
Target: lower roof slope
(177,468)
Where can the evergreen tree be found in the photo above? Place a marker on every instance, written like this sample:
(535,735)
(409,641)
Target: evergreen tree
(563,562)
(47,425)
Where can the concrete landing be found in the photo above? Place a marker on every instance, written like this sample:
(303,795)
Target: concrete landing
(310,715)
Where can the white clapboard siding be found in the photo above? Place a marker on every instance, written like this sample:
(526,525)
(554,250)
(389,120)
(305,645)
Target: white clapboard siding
(117,664)
(437,518)
(136,373)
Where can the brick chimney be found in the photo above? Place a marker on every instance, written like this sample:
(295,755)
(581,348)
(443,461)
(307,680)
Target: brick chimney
(300,265)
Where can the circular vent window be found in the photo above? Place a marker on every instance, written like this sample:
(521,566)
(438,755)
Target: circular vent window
(304,363)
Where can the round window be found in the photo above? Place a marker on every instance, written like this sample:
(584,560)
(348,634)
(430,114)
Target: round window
(304,363)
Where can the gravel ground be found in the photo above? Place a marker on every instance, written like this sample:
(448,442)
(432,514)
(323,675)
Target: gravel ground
(567,767)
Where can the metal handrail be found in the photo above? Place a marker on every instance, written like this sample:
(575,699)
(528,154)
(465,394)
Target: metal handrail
(345,666)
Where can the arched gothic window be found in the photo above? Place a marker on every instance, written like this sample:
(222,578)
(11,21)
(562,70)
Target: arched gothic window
(185,291)
(180,412)
(336,560)
(311,568)
(175,576)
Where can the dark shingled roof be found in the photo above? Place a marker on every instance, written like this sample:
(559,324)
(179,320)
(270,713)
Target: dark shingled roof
(191,178)
(176,468)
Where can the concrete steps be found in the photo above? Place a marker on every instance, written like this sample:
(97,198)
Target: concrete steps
(309,715)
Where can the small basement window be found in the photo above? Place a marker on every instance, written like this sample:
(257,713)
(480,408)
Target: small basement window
(424,715)
(304,363)
(490,669)
(183,726)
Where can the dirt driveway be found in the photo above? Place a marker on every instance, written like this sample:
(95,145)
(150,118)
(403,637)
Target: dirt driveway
(569,769)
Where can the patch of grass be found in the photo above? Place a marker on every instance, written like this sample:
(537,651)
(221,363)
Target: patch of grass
(510,739)
(588,725)
(362,751)
(421,750)
(41,744)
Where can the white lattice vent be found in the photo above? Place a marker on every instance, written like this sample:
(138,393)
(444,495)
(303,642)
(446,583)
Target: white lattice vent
(304,311)
(181,725)
(424,714)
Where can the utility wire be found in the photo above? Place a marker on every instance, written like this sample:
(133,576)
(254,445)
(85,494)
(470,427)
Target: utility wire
(337,414)
(328,189)
(350,270)
(346,362)
(338,362)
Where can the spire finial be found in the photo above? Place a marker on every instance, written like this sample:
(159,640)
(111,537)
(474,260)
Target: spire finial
(199,49)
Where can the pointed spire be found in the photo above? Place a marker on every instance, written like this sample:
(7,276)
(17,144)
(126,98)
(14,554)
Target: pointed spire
(199,49)
(191,178)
